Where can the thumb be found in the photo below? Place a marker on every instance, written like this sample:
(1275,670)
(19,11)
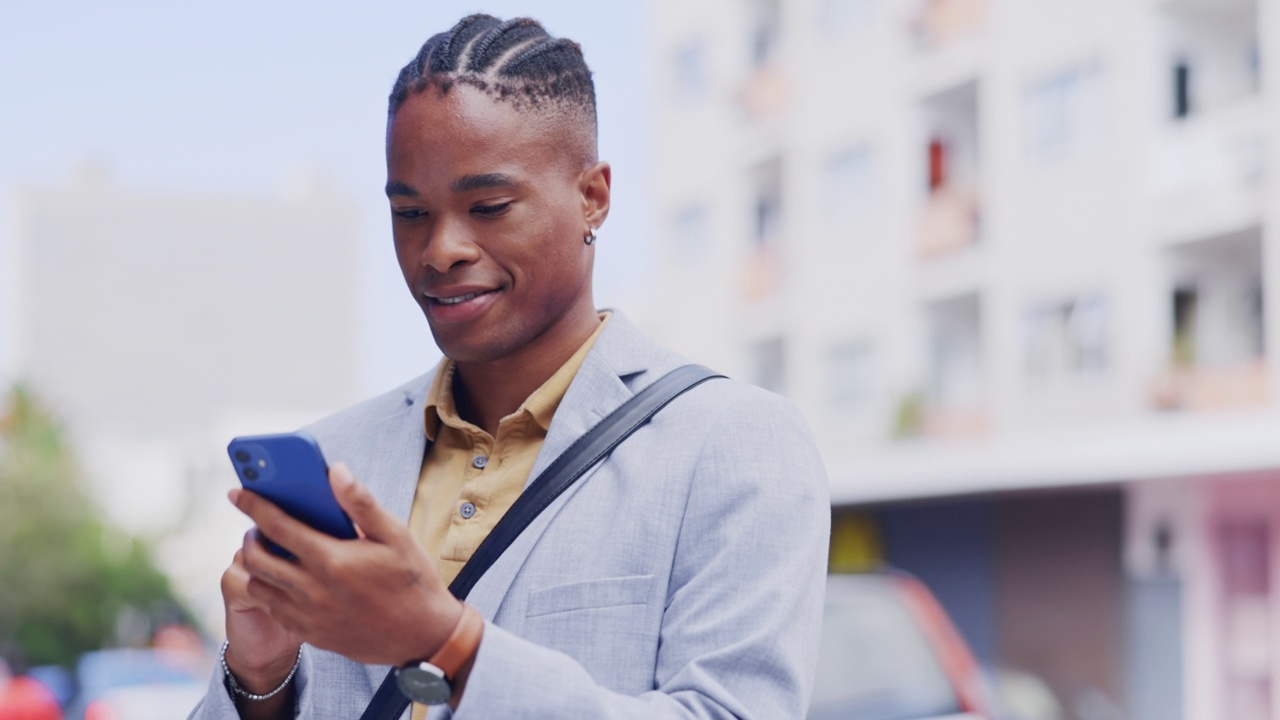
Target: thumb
(371,520)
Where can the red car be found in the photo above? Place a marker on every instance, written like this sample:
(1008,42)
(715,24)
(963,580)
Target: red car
(889,652)
(25,699)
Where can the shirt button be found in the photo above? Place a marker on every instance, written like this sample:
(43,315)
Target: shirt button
(479,461)
(467,510)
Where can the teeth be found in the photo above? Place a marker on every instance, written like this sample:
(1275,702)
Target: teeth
(456,300)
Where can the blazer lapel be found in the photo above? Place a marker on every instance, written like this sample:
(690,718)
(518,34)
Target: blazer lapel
(598,389)
(595,392)
(400,441)
(401,444)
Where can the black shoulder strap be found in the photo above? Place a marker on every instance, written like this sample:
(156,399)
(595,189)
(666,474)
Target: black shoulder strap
(388,702)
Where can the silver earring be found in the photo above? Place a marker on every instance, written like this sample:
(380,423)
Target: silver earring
(590,237)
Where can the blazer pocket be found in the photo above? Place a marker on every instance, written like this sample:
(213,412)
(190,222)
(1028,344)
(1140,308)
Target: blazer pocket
(602,593)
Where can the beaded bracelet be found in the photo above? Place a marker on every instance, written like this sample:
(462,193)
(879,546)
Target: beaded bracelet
(235,686)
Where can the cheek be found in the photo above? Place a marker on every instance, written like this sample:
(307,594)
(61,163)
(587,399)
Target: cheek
(560,263)
(406,249)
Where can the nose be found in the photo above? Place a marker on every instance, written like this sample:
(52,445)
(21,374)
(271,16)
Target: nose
(448,245)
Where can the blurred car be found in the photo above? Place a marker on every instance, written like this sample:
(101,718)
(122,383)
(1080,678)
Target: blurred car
(58,679)
(137,684)
(23,698)
(889,652)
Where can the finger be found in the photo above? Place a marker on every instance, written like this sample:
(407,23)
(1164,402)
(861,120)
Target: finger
(235,587)
(277,603)
(264,566)
(289,533)
(371,520)
(234,579)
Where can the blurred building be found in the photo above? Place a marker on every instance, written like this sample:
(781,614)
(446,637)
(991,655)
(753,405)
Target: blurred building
(160,324)
(1016,261)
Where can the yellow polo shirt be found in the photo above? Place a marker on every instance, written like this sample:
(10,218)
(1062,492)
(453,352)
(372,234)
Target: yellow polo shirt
(470,479)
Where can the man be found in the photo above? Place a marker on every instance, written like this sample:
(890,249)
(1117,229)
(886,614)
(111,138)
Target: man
(681,577)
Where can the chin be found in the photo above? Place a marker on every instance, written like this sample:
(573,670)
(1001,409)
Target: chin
(469,350)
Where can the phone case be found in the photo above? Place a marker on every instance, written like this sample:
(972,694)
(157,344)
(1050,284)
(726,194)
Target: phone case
(289,470)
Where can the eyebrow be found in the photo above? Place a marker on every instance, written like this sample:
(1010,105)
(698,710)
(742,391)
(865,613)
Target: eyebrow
(396,187)
(484,181)
(466,183)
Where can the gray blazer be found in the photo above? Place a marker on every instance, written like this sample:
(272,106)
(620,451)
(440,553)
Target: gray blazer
(682,577)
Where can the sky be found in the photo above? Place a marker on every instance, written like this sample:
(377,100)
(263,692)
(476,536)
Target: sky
(240,96)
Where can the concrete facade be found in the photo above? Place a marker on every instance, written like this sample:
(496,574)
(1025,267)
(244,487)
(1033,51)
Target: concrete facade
(998,249)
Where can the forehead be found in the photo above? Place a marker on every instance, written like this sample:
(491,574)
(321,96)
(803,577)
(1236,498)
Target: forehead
(465,130)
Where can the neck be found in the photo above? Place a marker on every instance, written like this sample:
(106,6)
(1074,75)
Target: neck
(489,391)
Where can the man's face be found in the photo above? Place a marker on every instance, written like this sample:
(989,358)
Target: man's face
(488,216)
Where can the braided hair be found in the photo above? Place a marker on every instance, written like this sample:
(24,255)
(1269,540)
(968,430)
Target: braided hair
(514,61)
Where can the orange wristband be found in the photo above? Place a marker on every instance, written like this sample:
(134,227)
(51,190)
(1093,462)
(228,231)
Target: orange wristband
(462,644)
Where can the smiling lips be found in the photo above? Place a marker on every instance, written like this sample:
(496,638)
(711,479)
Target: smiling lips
(458,299)
(459,308)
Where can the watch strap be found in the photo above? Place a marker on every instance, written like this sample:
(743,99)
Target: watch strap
(462,643)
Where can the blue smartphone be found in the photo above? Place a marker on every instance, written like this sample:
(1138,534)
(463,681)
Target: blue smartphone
(290,471)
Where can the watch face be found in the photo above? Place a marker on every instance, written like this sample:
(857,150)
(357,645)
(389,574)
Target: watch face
(424,683)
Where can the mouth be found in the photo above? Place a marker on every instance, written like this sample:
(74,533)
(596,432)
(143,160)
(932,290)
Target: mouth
(459,305)
(458,299)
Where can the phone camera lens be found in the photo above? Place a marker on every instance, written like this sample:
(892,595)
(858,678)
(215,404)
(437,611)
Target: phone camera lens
(242,456)
(250,474)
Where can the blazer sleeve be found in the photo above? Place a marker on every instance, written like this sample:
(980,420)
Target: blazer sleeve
(740,632)
(348,686)
(216,703)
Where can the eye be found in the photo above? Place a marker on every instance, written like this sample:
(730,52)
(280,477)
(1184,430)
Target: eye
(409,213)
(490,210)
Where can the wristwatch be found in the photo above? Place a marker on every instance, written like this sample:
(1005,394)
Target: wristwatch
(430,681)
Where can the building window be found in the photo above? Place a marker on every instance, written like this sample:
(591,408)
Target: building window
(851,379)
(1236,334)
(1181,89)
(690,70)
(850,183)
(955,352)
(1185,300)
(768,364)
(1218,326)
(1217,302)
(1212,55)
(950,218)
(1064,112)
(767,204)
(762,274)
(765,31)
(1067,339)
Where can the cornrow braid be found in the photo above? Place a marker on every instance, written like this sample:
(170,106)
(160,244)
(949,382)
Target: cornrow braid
(516,61)
(502,39)
(458,40)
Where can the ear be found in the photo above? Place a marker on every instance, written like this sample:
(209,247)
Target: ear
(594,185)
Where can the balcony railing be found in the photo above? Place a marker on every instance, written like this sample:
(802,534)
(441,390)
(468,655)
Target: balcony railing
(949,221)
(1218,151)
(939,22)
(1196,388)
(764,93)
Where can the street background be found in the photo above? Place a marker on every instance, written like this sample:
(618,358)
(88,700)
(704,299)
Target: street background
(1012,260)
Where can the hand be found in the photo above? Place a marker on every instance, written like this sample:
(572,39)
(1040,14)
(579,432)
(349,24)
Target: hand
(376,599)
(260,651)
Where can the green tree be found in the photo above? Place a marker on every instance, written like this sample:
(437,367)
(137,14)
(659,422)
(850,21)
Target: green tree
(65,575)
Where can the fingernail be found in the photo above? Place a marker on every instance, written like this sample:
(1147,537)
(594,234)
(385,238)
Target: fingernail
(234,496)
